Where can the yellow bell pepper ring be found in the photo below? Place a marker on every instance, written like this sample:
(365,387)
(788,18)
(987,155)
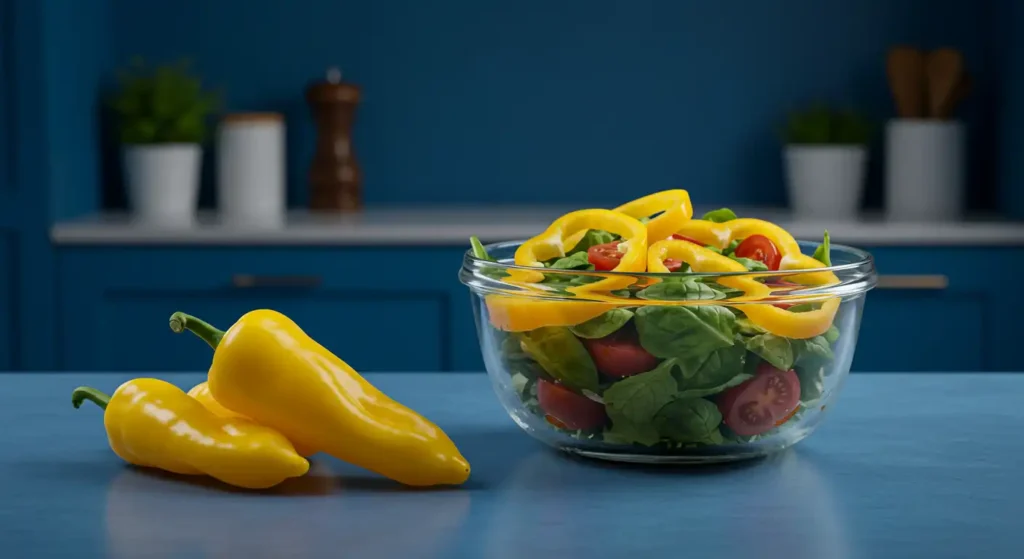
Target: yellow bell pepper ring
(266,368)
(152,423)
(780,322)
(721,234)
(674,206)
(522,314)
(554,242)
(201,393)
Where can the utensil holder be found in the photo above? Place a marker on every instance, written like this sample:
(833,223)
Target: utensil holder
(924,169)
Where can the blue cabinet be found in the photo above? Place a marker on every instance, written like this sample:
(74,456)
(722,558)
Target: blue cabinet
(963,322)
(403,308)
(380,309)
(8,279)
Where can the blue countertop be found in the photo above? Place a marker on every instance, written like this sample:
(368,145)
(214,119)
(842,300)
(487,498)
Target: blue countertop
(906,465)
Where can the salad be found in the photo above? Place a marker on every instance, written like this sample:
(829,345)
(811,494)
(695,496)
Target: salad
(705,354)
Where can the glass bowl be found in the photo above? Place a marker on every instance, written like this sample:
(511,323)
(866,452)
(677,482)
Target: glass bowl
(668,368)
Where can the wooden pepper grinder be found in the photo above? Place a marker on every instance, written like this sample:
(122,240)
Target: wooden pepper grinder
(334,177)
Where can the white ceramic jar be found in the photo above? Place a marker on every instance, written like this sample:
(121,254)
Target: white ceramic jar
(924,170)
(251,169)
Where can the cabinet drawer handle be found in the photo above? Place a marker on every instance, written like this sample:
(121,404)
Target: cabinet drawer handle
(249,280)
(926,281)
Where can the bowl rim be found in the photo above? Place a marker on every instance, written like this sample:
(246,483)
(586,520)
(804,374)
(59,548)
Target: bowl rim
(856,276)
(863,258)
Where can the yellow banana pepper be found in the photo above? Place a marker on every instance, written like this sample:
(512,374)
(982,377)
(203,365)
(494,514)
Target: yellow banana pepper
(266,368)
(780,322)
(201,393)
(152,423)
(674,206)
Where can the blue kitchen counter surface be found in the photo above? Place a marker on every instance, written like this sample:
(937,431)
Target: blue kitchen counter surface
(906,465)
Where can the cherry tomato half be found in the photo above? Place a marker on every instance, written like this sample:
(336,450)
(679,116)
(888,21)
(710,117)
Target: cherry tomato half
(569,410)
(620,354)
(759,247)
(604,257)
(762,402)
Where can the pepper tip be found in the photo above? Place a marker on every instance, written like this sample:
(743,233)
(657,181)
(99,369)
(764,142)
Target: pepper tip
(177,322)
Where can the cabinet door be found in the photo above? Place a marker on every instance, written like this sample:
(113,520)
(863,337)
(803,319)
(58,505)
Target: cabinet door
(938,309)
(115,305)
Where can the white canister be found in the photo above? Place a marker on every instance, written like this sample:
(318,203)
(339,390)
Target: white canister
(924,170)
(251,169)
(163,182)
(825,181)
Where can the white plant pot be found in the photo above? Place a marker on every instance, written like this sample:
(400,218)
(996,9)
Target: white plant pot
(924,170)
(825,181)
(163,182)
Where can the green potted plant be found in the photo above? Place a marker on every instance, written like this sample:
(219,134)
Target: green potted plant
(826,159)
(162,117)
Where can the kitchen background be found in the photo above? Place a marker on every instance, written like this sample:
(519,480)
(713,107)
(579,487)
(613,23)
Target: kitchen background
(480,118)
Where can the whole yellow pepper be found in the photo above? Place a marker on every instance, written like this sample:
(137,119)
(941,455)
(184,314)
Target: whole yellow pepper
(152,423)
(266,368)
(201,393)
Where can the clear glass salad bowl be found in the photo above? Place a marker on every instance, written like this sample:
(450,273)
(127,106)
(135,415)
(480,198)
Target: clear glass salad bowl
(668,367)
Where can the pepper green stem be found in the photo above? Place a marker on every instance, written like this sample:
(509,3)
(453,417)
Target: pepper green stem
(181,322)
(83,393)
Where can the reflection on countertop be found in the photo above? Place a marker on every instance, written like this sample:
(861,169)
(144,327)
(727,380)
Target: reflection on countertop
(453,225)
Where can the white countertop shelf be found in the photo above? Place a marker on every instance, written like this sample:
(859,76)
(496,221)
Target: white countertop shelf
(442,226)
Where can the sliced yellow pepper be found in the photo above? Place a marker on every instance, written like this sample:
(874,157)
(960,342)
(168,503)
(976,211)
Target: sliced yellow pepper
(522,313)
(780,322)
(552,243)
(721,234)
(675,208)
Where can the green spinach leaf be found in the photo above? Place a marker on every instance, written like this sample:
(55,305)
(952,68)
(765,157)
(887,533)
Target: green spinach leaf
(747,327)
(685,331)
(478,249)
(576,261)
(634,400)
(624,432)
(832,335)
(690,420)
(719,371)
(562,356)
(603,325)
(774,349)
(684,290)
(813,352)
(750,264)
(591,238)
(812,382)
(720,215)
(729,250)
(821,254)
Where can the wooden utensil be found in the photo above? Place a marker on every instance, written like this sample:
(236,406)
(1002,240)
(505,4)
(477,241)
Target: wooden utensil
(963,89)
(945,69)
(906,70)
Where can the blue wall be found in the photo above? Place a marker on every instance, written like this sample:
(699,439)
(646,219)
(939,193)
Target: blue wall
(568,101)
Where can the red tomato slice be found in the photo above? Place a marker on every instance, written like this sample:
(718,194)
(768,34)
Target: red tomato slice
(567,408)
(759,247)
(620,354)
(762,402)
(604,257)
(679,237)
(672,264)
